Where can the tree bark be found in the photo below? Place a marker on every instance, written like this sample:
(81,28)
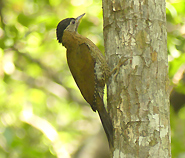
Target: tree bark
(138,97)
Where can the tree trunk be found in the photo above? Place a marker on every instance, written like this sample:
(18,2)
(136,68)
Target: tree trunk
(138,98)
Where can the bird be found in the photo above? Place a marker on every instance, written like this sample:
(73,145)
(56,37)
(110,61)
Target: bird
(88,67)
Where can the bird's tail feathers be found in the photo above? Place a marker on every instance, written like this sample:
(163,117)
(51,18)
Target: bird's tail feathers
(106,121)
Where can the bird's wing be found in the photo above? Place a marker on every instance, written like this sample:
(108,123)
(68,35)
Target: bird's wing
(85,78)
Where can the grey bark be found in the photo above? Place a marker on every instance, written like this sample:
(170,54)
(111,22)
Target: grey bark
(138,97)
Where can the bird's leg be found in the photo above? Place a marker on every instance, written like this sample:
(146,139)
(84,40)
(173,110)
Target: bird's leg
(120,63)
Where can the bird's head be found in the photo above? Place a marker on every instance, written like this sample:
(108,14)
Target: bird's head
(70,24)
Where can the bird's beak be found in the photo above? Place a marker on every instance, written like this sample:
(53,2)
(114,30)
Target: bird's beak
(78,20)
(80,17)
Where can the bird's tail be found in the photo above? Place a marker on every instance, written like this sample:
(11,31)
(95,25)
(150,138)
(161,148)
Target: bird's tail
(106,121)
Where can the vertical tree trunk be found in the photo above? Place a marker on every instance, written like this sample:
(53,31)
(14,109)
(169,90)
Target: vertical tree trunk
(138,98)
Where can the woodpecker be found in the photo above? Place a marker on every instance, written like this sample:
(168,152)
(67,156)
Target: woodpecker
(88,68)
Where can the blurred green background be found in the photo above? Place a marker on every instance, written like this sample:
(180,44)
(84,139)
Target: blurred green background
(42,113)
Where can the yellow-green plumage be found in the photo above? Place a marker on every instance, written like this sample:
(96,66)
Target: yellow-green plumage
(88,68)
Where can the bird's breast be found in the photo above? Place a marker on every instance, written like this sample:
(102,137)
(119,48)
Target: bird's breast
(81,65)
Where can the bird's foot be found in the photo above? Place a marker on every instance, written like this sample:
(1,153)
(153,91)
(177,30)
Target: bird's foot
(117,68)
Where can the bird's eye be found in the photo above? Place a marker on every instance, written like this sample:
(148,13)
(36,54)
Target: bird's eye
(73,22)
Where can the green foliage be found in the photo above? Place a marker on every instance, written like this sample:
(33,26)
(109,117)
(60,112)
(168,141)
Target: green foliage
(176,48)
(40,106)
(42,112)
